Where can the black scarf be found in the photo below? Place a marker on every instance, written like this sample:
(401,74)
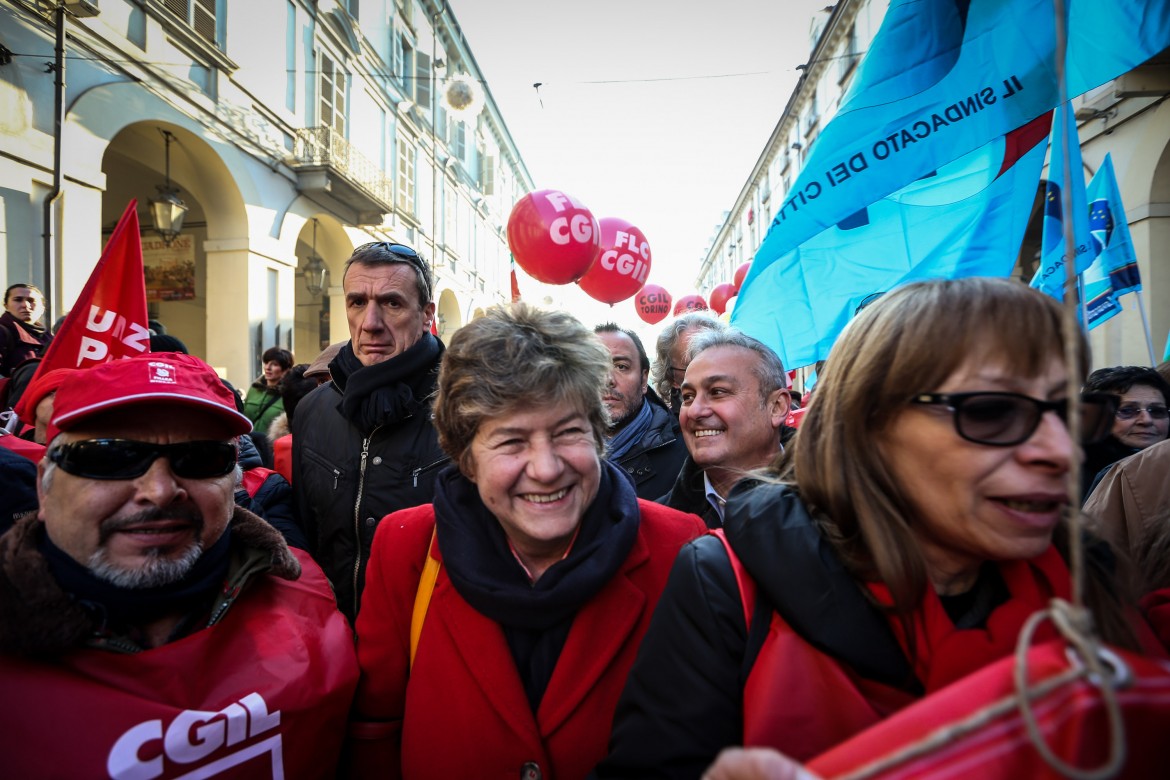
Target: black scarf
(535,617)
(136,606)
(386,392)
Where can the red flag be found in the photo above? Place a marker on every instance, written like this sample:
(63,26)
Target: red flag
(515,283)
(108,321)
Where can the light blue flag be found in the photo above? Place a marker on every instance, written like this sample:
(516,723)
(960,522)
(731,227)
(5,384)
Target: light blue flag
(965,220)
(1115,271)
(942,79)
(1102,305)
(1050,276)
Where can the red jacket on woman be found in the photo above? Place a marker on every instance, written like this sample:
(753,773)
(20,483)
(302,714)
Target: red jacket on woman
(461,711)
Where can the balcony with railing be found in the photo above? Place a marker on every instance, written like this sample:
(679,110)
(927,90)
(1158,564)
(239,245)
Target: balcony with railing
(330,170)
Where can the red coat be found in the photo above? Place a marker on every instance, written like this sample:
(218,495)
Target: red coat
(463,712)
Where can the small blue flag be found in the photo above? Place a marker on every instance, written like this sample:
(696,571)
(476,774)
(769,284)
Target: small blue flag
(1116,260)
(1050,276)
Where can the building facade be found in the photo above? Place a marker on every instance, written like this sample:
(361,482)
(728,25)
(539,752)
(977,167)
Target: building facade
(291,130)
(1128,117)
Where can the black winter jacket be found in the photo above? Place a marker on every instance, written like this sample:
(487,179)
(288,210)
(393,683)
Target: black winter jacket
(344,483)
(683,700)
(688,494)
(655,461)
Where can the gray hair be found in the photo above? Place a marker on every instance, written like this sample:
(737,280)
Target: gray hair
(668,339)
(769,370)
(515,358)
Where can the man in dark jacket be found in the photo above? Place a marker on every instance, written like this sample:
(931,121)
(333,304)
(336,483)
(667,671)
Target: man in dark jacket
(734,402)
(644,437)
(363,444)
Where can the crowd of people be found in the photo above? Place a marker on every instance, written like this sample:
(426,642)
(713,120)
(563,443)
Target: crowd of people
(531,552)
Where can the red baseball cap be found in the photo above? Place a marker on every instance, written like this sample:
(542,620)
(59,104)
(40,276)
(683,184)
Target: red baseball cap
(41,386)
(150,378)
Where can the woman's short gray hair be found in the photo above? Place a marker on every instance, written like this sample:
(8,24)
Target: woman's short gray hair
(518,357)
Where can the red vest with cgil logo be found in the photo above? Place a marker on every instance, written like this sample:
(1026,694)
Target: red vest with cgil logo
(264,693)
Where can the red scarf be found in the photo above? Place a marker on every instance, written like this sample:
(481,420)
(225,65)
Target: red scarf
(943,654)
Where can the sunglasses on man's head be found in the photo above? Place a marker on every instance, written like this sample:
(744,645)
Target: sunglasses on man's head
(127,459)
(403,252)
(1007,419)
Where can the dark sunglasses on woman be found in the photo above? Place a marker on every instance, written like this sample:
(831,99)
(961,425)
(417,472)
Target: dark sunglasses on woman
(1007,419)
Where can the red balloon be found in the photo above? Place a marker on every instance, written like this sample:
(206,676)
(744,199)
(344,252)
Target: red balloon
(653,304)
(621,268)
(552,236)
(720,296)
(689,303)
(740,275)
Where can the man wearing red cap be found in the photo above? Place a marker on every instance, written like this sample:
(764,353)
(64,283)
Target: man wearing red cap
(148,627)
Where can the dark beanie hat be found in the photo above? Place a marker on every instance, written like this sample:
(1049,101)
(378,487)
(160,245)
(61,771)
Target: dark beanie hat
(161,342)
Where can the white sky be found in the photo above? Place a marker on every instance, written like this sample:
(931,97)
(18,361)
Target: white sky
(672,136)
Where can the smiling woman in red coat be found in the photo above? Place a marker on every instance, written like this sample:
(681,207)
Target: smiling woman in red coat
(499,623)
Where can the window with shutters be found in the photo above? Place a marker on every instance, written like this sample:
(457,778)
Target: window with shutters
(405,174)
(395,53)
(422,81)
(199,14)
(487,174)
(457,139)
(332,91)
(405,67)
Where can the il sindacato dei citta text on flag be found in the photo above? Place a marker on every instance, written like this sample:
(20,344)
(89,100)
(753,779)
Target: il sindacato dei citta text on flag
(885,150)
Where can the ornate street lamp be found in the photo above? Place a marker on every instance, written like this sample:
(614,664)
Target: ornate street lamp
(167,209)
(315,272)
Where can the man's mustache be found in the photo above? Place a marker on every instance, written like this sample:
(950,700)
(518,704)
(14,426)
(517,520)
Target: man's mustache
(187,512)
